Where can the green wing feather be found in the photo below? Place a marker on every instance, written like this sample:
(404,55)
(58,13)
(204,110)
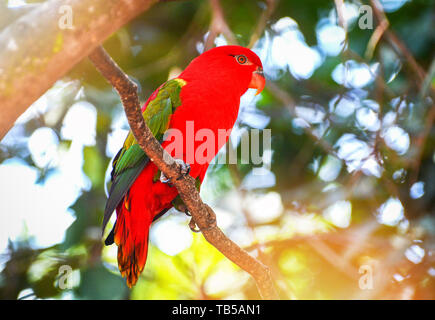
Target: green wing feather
(131,159)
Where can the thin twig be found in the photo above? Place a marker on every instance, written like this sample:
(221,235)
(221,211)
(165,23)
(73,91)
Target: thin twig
(202,214)
(262,22)
(339,4)
(218,25)
(288,101)
(398,44)
(374,39)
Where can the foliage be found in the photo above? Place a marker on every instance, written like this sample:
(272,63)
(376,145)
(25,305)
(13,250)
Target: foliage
(348,185)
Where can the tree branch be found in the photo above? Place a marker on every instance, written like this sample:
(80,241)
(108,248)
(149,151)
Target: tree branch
(396,43)
(262,22)
(202,214)
(37,52)
(218,25)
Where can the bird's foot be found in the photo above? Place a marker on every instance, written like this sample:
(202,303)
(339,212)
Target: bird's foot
(185,168)
(193,226)
(184,171)
(182,208)
(163,178)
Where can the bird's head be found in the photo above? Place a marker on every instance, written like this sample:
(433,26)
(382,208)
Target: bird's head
(236,66)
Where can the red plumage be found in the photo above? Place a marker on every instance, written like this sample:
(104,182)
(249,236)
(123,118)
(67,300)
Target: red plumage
(215,81)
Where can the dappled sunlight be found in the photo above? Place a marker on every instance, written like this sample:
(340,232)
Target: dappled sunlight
(339,214)
(170,235)
(417,190)
(43,146)
(45,218)
(289,50)
(391,212)
(415,254)
(397,139)
(79,123)
(352,74)
(342,189)
(330,170)
(263,208)
(367,116)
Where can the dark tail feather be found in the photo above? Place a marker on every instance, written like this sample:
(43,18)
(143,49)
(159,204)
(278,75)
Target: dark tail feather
(111,237)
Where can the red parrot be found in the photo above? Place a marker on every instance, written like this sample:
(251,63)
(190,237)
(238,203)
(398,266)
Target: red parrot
(206,95)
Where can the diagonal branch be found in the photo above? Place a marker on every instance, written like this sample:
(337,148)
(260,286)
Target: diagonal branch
(397,43)
(202,214)
(36,52)
(218,25)
(262,22)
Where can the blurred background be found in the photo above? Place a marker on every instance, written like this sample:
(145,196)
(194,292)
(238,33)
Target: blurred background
(341,207)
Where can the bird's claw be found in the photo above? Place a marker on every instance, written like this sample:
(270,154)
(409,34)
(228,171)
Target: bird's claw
(163,178)
(183,208)
(193,226)
(185,168)
(184,171)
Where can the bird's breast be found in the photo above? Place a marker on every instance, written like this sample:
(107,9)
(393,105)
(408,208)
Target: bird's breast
(201,125)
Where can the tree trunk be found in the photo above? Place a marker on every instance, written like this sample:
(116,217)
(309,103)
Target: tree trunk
(40,47)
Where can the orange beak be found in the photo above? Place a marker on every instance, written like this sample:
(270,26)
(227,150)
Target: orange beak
(258,81)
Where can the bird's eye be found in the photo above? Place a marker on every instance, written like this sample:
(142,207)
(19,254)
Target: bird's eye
(241,59)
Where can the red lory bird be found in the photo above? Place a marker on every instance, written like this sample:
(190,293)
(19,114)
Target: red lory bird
(205,96)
